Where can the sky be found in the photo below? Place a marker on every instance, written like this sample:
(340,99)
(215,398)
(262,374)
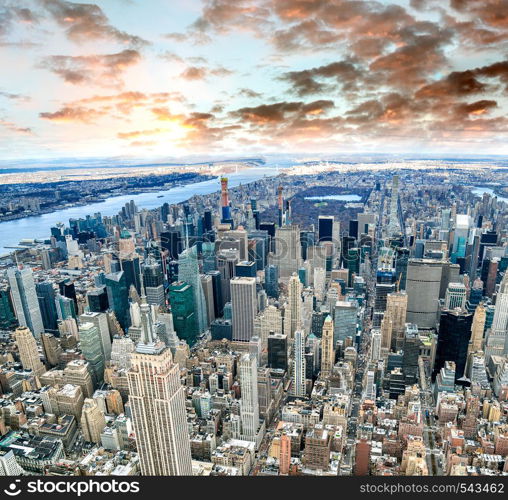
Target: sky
(172,78)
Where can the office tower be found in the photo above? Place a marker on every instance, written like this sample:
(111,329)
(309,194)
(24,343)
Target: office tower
(181,299)
(376,344)
(385,284)
(207,285)
(272,281)
(475,295)
(25,300)
(100,320)
(67,400)
(461,233)
(218,302)
(423,290)
(28,351)
(278,351)
(401,262)
(157,400)
(298,388)
(132,271)
(92,421)
(455,296)
(386,332)
(293,311)
(46,297)
(244,307)
(118,297)
(249,404)
(126,244)
(496,338)
(226,264)
(344,320)
(225,207)
(188,271)
(91,348)
(411,350)
(153,280)
(477,329)
(327,348)
(325,227)
(77,372)
(396,311)
(68,289)
(246,269)
(171,241)
(453,340)
(51,348)
(98,299)
(7,315)
(267,322)
(288,254)
(65,307)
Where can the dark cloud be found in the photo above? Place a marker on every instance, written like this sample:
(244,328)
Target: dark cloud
(84,22)
(280,111)
(202,72)
(14,128)
(314,80)
(100,70)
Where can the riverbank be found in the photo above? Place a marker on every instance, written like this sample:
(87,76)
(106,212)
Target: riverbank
(38,227)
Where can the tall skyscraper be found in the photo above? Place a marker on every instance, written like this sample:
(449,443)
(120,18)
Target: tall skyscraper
(249,404)
(496,341)
(185,322)
(244,307)
(423,288)
(118,297)
(28,351)
(396,312)
(157,400)
(46,297)
(90,344)
(7,315)
(188,271)
(298,376)
(293,312)
(92,421)
(278,351)
(327,348)
(477,329)
(25,300)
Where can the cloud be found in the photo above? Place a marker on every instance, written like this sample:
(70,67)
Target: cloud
(84,22)
(101,70)
(72,114)
(202,72)
(16,129)
(14,97)
(138,133)
(280,111)
(310,81)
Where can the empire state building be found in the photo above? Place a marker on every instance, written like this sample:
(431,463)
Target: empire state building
(157,399)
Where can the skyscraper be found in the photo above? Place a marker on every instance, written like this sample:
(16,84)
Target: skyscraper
(423,286)
(118,297)
(244,306)
(327,348)
(293,312)
(90,344)
(249,404)
(28,351)
(496,338)
(185,323)
(46,297)
(298,377)
(157,400)
(25,300)
(188,271)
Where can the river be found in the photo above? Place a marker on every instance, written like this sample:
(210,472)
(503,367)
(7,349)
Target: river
(38,227)
(480,190)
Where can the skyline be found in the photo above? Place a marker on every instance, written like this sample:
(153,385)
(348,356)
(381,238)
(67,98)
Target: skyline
(173,79)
